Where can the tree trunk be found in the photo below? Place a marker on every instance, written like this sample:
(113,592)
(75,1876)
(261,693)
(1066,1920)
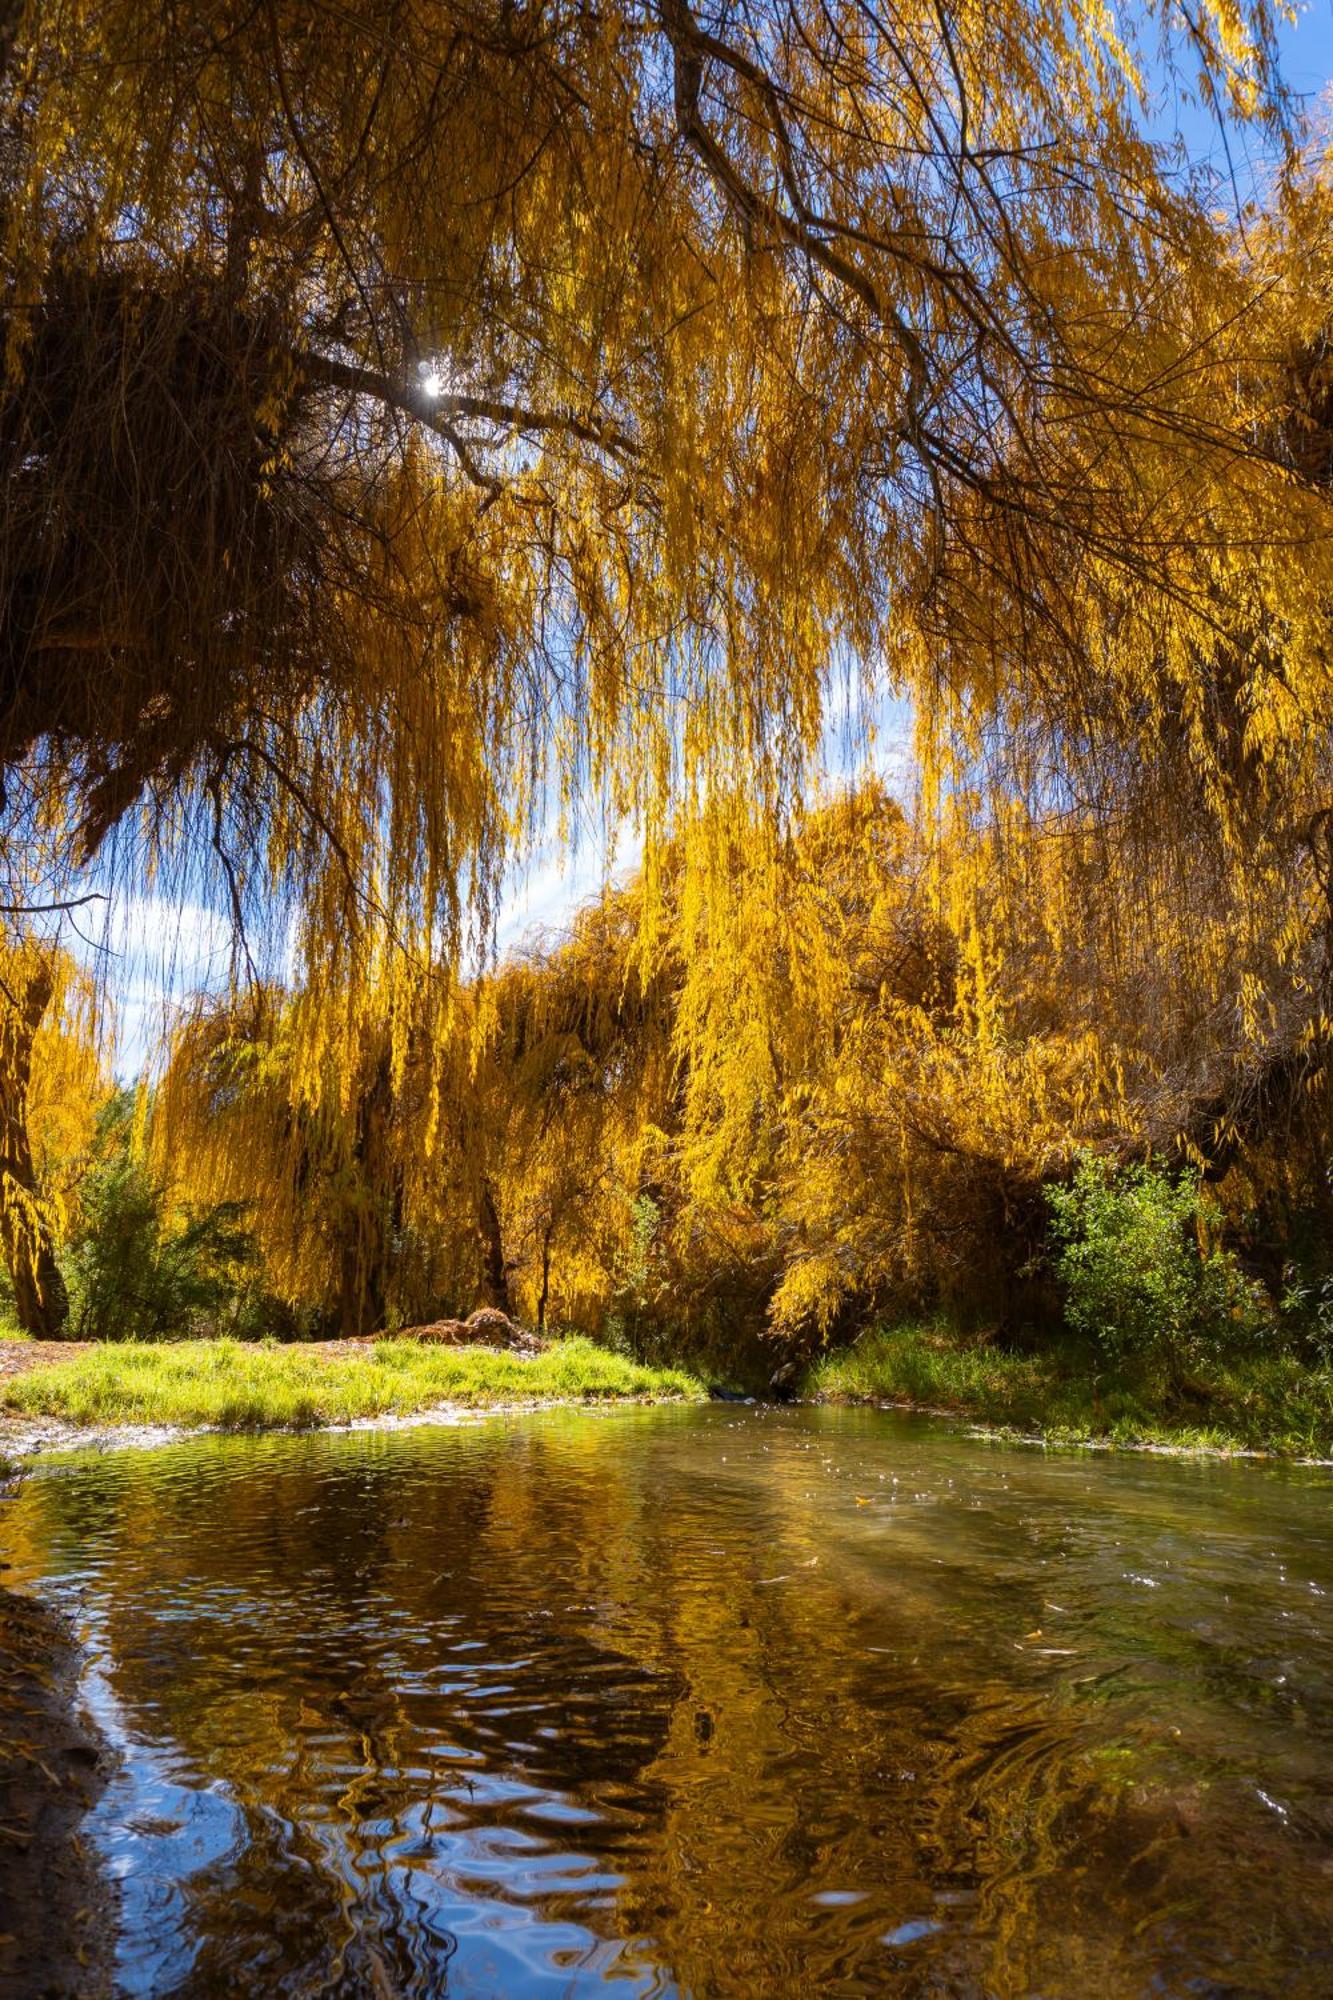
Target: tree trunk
(369,1230)
(362,1287)
(40,1298)
(547,1234)
(494,1271)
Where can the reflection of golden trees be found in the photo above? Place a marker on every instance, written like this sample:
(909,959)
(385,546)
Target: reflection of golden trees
(673,1686)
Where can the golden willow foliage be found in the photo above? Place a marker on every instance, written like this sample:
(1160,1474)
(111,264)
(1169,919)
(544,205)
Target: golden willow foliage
(402,1151)
(838,1084)
(51,1080)
(418,416)
(420,420)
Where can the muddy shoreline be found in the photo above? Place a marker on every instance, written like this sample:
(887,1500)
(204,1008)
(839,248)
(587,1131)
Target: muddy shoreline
(57,1906)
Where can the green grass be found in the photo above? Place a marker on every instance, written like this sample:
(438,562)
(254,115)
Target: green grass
(1268,1401)
(258,1386)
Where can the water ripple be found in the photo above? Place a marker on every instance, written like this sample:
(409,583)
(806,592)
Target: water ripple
(702,1703)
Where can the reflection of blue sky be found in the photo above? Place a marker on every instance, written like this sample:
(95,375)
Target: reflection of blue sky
(154,950)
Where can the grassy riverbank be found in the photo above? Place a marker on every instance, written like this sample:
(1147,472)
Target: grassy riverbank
(239,1385)
(1269,1402)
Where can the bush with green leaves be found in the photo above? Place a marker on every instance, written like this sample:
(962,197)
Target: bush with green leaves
(1136,1280)
(140,1268)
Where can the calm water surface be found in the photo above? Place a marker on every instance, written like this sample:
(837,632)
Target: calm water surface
(711,1702)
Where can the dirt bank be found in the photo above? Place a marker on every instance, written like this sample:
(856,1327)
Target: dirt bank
(56,1910)
(18,1356)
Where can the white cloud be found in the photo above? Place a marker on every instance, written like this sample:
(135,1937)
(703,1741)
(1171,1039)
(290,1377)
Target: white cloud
(150,954)
(545,896)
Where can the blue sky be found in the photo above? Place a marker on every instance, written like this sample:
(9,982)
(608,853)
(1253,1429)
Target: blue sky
(1306,53)
(1307,48)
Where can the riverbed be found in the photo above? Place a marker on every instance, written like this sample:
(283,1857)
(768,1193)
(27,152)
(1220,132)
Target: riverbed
(700,1701)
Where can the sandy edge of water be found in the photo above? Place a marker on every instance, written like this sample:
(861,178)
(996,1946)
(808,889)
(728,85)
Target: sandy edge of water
(26,1437)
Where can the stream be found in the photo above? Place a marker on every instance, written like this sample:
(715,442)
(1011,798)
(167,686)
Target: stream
(701,1701)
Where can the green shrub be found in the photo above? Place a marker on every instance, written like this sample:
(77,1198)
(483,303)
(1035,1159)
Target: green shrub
(138,1272)
(138,1268)
(1306,1308)
(1136,1279)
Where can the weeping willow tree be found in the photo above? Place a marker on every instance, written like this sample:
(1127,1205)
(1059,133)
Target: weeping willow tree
(50,1083)
(822,1084)
(415,417)
(419,423)
(406,1153)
